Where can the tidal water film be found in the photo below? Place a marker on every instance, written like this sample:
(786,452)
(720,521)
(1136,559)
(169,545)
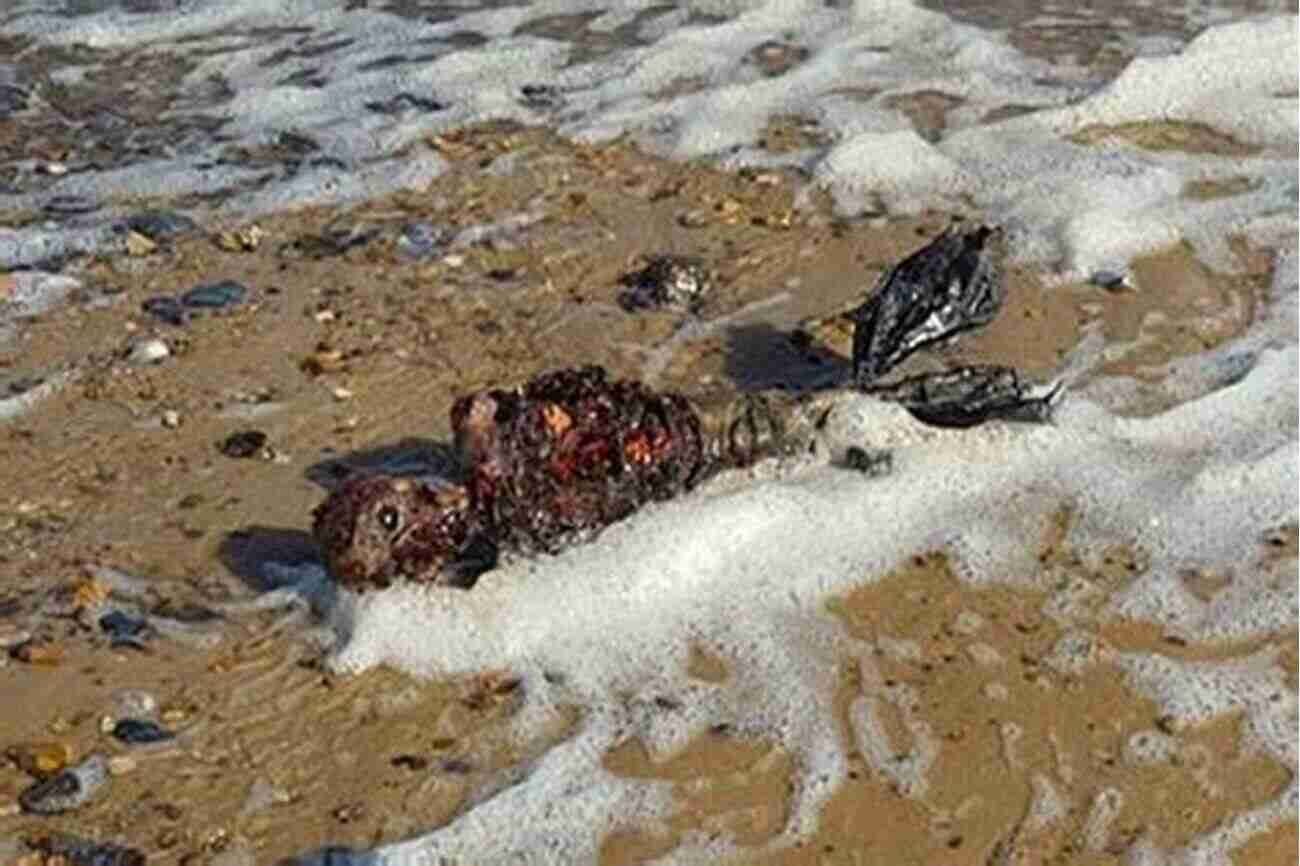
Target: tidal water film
(1025,593)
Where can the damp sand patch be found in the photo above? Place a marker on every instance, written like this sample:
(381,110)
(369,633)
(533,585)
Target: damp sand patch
(1160,135)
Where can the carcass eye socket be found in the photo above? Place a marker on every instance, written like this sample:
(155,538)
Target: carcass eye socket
(389,519)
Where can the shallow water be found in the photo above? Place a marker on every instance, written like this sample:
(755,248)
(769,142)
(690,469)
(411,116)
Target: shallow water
(1151,142)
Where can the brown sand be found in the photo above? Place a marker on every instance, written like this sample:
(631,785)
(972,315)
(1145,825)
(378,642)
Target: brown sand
(343,355)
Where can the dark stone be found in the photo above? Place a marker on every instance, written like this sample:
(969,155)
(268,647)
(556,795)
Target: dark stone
(404,102)
(871,463)
(414,763)
(665,280)
(949,286)
(12,99)
(124,629)
(67,789)
(160,224)
(68,205)
(222,294)
(418,240)
(296,143)
(540,97)
(140,731)
(1110,280)
(167,309)
(76,851)
(245,443)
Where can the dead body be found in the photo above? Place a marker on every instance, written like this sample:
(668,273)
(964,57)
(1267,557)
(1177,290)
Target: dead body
(553,461)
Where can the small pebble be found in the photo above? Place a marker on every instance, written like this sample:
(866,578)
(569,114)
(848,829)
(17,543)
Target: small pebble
(244,444)
(222,294)
(665,279)
(263,795)
(540,96)
(66,790)
(47,653)
(967,623)
(72,850)
(241,240)
(150,351)
(41,759)
(777,58)
(419,239)
(873,464)
(692,219)
(159,224)
(139,731)
(68,205)
(1112,281)
(124,629)
(134,702)
(171,419)
(342,394)
(120,765)
(237,854)
(139,245)
(12,635)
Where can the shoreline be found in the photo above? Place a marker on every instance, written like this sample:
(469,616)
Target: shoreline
(353,357)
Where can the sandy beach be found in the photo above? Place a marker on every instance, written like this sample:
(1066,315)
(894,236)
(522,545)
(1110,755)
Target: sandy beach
(350,357)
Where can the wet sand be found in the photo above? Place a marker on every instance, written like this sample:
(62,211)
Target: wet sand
(351,358)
